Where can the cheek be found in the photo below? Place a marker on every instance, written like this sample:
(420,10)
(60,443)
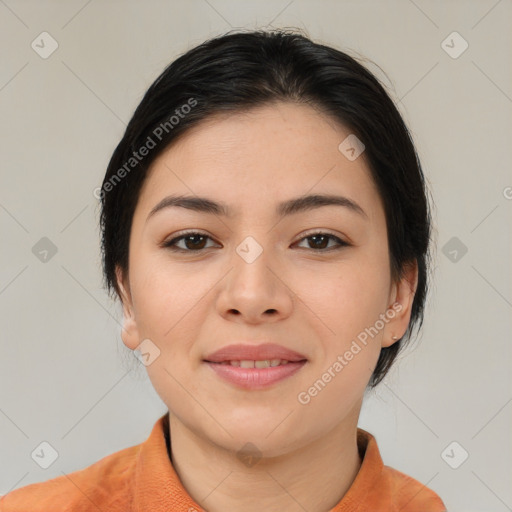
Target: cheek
(165,296)
(347,296)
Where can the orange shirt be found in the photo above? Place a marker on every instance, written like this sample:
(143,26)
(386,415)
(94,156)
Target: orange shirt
(142,478)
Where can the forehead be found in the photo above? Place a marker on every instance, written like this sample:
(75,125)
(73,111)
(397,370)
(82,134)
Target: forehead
(259,157)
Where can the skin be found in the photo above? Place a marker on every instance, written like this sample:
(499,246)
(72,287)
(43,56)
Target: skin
(293,294)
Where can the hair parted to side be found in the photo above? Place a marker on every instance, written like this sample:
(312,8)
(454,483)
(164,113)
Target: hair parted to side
(244,69)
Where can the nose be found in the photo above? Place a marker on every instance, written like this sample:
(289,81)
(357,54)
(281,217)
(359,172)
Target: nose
(254,290)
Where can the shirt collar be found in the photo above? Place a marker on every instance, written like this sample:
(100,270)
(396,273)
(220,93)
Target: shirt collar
(157,486)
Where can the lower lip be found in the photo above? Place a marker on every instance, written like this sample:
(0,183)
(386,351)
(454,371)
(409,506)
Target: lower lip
(255,378)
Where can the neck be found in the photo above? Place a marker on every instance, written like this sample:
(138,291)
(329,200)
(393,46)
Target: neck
(314,477)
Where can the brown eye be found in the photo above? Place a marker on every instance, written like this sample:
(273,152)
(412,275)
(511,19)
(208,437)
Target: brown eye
(191,242)
(319,242)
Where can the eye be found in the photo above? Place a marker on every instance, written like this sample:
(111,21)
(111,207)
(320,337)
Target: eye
(319,240)
(194,241)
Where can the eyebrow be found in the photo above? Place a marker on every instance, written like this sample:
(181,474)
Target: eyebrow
(289,207)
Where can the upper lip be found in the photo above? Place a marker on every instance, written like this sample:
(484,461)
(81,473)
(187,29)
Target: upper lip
(263,352)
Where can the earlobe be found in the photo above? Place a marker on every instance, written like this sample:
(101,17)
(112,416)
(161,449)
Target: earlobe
(129,332)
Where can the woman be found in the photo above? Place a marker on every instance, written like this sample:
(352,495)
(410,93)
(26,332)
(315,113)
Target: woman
(266,227)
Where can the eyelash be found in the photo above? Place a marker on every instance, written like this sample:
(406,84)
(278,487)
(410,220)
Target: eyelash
(171,244)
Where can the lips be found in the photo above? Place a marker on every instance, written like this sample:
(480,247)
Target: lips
(268,351)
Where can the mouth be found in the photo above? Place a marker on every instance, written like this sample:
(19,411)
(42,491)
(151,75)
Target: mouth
(252,367)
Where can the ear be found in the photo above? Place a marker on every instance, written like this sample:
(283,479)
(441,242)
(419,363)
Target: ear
(401,299)
(130,331)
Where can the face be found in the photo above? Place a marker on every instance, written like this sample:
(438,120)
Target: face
(316,281)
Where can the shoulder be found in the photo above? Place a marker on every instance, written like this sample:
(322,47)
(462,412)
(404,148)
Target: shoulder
(411,495)
(103,485)
(383,485)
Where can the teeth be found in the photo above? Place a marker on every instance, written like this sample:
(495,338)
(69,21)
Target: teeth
(258,364)
(262,364)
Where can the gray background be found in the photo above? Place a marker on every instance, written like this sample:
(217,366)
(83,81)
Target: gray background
(65,376)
